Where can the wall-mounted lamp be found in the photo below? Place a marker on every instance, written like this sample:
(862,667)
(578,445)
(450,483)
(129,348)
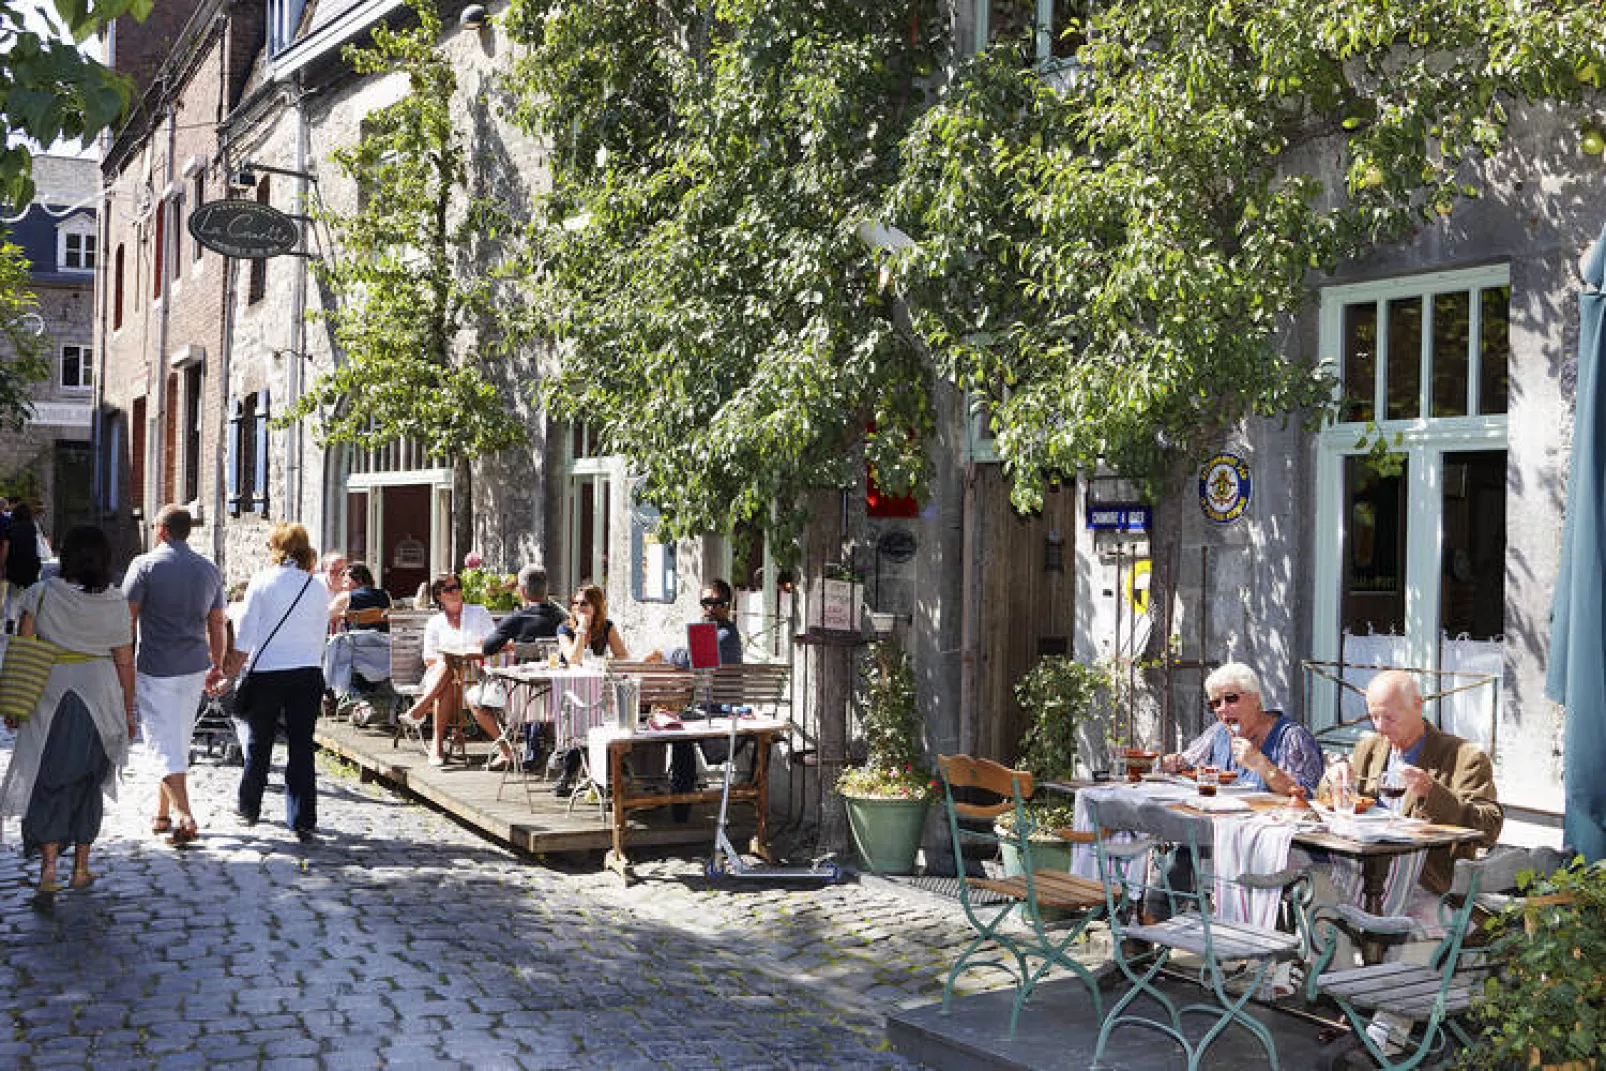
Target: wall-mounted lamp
(472,17)
(243,179)
(1054,553)
(245,176)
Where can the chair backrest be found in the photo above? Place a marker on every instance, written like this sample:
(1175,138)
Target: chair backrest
(1497,872)
(663,684)
(755,684)
(533,650)
(407,647)
(994,779)
(373,615)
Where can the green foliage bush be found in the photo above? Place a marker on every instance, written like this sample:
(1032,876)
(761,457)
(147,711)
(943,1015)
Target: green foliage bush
(894,765)
(1549,998)
(1061,696)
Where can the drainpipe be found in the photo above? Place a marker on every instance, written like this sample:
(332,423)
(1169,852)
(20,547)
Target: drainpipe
(298,330)
(156,419)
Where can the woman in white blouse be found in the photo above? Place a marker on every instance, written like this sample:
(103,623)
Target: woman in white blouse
(282,626)
(459,626)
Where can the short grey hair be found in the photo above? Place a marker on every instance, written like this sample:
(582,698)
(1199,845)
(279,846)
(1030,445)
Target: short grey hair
(533,582)
(1233,675)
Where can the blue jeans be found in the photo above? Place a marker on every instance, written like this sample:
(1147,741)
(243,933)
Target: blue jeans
(294,695)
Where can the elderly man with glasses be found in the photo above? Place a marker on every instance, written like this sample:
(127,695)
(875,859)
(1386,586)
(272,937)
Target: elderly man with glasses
(1267,749)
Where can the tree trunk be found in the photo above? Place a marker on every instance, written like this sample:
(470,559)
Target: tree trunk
(462,510)
(830,666)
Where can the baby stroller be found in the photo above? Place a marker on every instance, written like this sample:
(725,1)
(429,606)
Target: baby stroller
(218,733)
(356,670)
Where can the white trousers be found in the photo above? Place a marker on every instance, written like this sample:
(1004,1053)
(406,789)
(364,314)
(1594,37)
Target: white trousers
(167,708)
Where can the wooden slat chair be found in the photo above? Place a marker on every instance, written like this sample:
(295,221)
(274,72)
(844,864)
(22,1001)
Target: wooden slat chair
(761,685)
(989,903)
(374,615)
(406,669)
(1143,950)
(1435,996)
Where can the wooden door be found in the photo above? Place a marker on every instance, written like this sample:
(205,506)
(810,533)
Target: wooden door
(404,548)
(1026,606)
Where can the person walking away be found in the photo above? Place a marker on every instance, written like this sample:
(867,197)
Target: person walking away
(67,755)
(22,558)
(282,630)
(176,599)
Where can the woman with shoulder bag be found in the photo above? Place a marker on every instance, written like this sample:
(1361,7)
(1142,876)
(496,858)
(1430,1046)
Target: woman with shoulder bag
(68,752)
(282,630)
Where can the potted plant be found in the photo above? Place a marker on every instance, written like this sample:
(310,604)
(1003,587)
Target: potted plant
(497,592)
(1547,1005)
(886,798)
(1062,697)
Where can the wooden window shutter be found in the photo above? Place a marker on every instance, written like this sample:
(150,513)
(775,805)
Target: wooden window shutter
(259,485)
(231,468)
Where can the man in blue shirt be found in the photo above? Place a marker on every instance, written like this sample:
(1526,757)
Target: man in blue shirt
(176,598)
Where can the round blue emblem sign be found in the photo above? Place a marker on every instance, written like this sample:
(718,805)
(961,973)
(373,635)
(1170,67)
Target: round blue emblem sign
(1224,488)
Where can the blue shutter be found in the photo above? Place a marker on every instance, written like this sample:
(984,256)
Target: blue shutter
(259,488)
(232,467)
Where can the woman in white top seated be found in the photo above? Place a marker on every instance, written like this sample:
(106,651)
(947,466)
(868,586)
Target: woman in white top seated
(459,626)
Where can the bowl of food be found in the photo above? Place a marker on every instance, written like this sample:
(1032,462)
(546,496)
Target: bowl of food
(1138,762)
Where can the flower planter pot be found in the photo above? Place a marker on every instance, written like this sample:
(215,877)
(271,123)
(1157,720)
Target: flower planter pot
(886,832)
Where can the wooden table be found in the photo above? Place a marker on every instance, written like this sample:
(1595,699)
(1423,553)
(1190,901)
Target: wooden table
(462,664)
(762,731)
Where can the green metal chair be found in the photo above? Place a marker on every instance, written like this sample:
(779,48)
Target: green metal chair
(1144,949)
(1435,996)
(1019,943)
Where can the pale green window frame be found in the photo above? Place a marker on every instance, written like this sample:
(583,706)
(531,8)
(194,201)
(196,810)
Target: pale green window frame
(1424,440)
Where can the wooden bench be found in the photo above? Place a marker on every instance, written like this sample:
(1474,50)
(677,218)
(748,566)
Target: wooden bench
(663,684)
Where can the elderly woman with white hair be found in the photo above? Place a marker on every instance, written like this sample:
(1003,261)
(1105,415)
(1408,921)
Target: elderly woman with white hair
(1266,748)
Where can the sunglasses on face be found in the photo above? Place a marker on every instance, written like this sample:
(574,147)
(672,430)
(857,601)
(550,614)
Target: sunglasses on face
(1220,701)
(709,604)
(451,588)
(579,602)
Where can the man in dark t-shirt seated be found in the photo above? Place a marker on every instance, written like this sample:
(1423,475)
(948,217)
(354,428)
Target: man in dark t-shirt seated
(537,619)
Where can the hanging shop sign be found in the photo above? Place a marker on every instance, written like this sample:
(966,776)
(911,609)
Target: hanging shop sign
(1224,488)
(236,227)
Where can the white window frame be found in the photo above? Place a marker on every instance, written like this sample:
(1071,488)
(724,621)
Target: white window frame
(86,367)
(600,472)
(1042,36)
(1424,441)
(83,228)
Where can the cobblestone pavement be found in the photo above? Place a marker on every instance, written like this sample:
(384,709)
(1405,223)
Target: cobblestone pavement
(401,939)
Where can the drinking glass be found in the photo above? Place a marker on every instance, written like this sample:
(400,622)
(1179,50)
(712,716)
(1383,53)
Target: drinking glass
(1344,798)
(1391,788)
(1208,779)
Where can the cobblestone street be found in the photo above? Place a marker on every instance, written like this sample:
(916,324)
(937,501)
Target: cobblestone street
(400,939)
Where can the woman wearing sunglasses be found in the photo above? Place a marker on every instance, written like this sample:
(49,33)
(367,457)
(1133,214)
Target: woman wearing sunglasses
(588,630)
(459,625)
(1266,748)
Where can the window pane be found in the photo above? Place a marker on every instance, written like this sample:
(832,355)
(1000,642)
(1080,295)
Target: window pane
(1062,45)
(1374,553)
(1404,359)
(1472,575)
(1360,361)
(1452,321)
(1494,349)
(1008,19)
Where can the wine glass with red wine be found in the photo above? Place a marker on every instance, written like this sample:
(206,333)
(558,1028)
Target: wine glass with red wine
(1390,788)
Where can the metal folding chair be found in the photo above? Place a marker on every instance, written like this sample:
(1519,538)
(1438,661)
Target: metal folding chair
(1193,928)
(991,904)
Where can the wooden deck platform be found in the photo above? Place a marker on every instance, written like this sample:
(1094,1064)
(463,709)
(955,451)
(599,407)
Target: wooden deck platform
(539,823)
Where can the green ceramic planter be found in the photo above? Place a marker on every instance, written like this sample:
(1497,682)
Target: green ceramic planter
(887,832)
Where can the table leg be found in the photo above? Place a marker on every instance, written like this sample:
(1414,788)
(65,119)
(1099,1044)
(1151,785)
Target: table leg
(761,806)
(1374,884)
(617,860)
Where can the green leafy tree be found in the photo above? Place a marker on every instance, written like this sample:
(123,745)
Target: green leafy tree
(412,276)
(49,90)
(1106,263)
(718,320)
(24,361)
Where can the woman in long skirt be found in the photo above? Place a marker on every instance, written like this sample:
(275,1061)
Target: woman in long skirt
(67,755)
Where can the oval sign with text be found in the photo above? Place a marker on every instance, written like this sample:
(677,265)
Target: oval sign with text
(239,228)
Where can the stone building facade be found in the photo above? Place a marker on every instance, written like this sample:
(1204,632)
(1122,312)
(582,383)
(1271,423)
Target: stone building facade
(49,461)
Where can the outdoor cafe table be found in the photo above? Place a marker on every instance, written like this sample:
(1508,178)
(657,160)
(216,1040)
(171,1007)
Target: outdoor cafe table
(573,719)
(1123,805)
(627,798)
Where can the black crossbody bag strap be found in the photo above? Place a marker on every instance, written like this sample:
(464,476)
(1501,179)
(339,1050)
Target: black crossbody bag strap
(257,654)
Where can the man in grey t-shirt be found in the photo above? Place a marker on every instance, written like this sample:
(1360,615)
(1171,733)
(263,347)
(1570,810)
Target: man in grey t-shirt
(176,598)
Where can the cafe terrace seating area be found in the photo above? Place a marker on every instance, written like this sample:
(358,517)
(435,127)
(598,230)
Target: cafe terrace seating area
(1217,954)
